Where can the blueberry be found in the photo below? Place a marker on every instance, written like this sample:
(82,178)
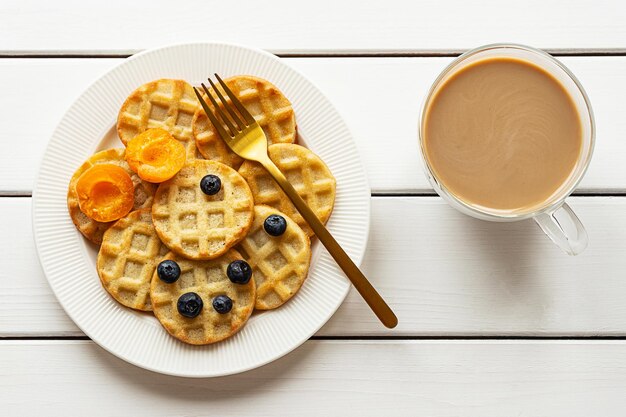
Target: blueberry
(222,304)
(275,225)
(189,304)
(239,272)
(210,184)
(168,271)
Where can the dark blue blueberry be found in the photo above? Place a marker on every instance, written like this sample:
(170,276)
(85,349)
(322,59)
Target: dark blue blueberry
(168,271)
(239,272)
(210,184)
(222,304)
(189,305)
(275,225)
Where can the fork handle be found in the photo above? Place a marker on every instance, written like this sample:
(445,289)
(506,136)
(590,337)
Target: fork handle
(360,282)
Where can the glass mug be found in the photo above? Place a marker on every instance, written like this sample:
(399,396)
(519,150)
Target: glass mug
(554,216)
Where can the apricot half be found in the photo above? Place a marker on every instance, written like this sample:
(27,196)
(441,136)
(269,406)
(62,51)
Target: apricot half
(155,155)
(105,192)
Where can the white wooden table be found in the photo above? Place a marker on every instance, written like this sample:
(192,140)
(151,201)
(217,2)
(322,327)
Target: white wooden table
(494,320)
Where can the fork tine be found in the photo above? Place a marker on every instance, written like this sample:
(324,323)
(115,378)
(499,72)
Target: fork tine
(245,113)
(219,112)
(220,129)
(229,108)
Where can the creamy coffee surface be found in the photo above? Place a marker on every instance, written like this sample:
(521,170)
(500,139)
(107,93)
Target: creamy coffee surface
(502,134)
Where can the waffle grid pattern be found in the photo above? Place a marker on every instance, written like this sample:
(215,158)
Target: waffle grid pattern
(269,107)
(128,257)
(280,263)
(208,279)
(92,229)
(167,104)
(307,174)
(200,226)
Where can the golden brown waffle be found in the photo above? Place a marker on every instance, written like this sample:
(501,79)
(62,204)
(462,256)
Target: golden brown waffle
(264,101)
(168,104)
(129,254)
(210,145)
(208,279)
(91,229)
(279,263)
(200,226)
(305,171)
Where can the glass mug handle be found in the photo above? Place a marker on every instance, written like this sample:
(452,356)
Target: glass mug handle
(564,228)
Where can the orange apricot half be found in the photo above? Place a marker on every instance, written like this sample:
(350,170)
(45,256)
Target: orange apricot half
(155,155)
(105,192)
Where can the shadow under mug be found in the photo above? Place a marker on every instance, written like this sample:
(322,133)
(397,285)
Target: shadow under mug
(554,216)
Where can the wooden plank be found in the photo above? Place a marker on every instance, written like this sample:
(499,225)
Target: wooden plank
(443,273)
(324,26)
(329,378)
(386,135)
(37,92)
(22,282)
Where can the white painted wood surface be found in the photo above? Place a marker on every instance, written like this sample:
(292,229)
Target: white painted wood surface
(322,26)
(443,273)
(386,135)
(328,378)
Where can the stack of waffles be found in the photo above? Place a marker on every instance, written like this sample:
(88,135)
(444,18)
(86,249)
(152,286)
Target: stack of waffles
(206,238)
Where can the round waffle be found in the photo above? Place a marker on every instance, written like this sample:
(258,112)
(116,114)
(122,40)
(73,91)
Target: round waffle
(200,226)
(269,107)
(208,279)
(91,229)
(279,263)
(168,104)
(127,259)
(305,171)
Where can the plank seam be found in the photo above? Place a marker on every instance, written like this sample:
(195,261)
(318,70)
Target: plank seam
(28,194)
(334,54)
(599,193)
(379,338)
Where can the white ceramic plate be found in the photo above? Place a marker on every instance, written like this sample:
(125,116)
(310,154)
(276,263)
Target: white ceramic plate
(68,259)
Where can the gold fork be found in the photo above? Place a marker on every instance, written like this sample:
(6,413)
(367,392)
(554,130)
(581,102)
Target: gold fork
(248,140)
